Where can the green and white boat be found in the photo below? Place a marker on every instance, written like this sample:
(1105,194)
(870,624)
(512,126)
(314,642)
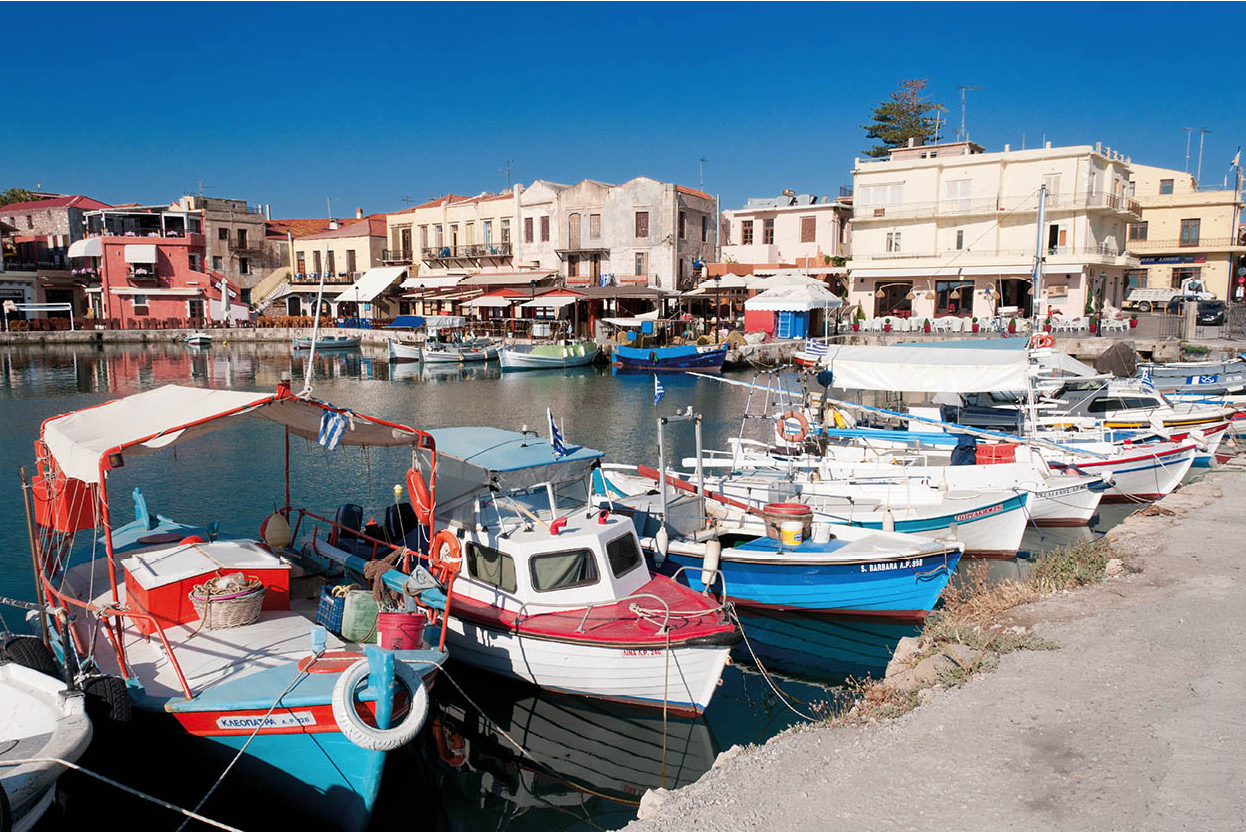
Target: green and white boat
(565,354)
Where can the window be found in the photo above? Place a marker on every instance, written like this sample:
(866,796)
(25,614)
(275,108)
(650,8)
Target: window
(808,228)
(746,232)
(242,238)
(488,231)
(1135,279)
(332,268)
(140,306)
(893,241)
(562,570)
(594,227)
(316,261)
(1052,181)
(216,262)
(642,263)
(1189,232)
(1165,186)
(194,262)
(953,298)
(492,567)
(506,231)
(545,228)
(960,238)
(1182,274)
(642,224)
(350,260)
(300,262)
(956,193)
(683,226)
(573,231)
(439,236)
(767,231)
(470,234)
(1137,231)
(882,194)
(222,234)
(527,230)
(623,555)
(705,228)
(573,266)
(244,266)
(423,237)
(30,221)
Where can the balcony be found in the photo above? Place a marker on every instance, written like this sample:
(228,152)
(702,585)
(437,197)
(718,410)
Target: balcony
(1025,204)
(313,278)
(397,257)
(473,252)
(967,257)
(236,246)
(1224,244)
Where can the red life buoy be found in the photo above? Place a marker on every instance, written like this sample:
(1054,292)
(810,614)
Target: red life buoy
(421,499)
(444,567)
(786,433)
(1042,340)
(451,748)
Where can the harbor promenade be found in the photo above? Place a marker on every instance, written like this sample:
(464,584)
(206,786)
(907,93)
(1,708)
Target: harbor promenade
(1135,721)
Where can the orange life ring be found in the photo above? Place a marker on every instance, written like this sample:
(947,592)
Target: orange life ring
(793,436)
(1042,340)
(445,567)
(421,499)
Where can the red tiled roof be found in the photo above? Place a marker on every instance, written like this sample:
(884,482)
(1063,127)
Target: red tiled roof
(74,200)
(692,191)
(299,227)
(371,226)
(440,201)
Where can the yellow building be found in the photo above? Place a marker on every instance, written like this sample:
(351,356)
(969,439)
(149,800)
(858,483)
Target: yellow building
(1183,232)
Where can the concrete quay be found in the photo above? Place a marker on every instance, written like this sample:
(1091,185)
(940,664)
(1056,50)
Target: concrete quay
(1134,723)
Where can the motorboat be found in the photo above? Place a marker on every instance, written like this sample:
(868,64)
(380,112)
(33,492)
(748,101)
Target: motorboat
(565,354)
(400,351)
(670,359)
(245,667)
(197,339)
(1226,376)
(470,350)
(327,342)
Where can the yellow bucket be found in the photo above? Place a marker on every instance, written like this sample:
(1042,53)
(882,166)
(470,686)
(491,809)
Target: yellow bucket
(792,533)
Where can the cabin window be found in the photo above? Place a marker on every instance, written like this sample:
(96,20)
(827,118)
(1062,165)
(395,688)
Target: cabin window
(571,495)
(1105,404)
(564,569)
(1140,402)
(624,555)
(491,567)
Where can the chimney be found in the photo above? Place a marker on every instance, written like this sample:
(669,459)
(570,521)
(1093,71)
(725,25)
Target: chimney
(1007,148)
(332,224)
(268,214)
(912,141)
(358,214)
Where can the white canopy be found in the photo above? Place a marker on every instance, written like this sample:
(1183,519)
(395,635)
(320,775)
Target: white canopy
(158,418)
(1058,361)
(372,284)
(492,301)
(438,282)
(794,297)
(91,247)
(432,323)
(557,301)
(140,253)
(634,321)
(926,369)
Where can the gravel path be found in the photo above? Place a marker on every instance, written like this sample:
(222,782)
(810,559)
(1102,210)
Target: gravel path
(1138,721)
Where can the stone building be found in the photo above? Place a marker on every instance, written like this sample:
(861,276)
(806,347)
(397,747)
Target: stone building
(35,238)
(236,235)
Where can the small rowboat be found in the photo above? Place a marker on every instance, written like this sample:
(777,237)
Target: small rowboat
(197,339)
(537,357)
(327,342)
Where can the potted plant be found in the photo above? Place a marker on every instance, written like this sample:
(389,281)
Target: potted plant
(1012,325)
(1094,324)
(1133,321)
(1047,324)
(887,325)
(857,319)
(974,324)
(926,326)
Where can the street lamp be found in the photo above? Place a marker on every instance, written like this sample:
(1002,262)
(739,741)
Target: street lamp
(532,293)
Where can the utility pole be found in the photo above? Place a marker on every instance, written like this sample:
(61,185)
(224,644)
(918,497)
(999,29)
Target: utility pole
(1187,148)
(1198,177)
(701,175)
(507,171)
(962,136)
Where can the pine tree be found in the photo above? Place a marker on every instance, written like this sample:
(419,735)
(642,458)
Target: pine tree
(902,117)
(15,195)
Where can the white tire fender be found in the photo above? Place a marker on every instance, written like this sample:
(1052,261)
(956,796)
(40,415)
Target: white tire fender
(365,735)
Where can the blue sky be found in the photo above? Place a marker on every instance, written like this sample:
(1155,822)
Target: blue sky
(288,104)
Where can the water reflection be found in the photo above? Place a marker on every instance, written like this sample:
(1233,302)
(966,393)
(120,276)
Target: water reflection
(818,647)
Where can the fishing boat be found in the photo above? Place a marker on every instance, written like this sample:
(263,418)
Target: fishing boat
(197,339)
(566,354)
(672,358)
(453,353)
(327,342)
(246,668)
(42,723)
(554,591)
(1227,376)
(404,351)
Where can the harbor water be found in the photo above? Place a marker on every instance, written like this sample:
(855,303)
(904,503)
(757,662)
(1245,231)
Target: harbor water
(495,754)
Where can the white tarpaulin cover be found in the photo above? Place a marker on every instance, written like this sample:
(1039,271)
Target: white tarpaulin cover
(432,323)
(492,301)
(927,369)
(372,284)
(159,418)
(635,321)
(91,247)
(1057,361)
(432,283)
(140,253)
(558,301)
(794,297)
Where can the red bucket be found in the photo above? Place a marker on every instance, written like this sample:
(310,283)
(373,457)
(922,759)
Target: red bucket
(401,630)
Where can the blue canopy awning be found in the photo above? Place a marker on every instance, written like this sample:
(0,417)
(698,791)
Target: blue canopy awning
(406,323)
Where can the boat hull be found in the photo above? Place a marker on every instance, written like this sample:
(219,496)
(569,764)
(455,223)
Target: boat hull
(668,359)
(329,343)
(454,356)
(1140,477)
(513,359)
(402,352)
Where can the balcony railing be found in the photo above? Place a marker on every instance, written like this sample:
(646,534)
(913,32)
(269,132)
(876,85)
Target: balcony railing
(974,256)
(471,250)
(1028,204)
(1159,245)
(397,256)
(335,278)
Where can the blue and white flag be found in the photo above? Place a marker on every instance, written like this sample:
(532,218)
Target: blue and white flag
(555,435)
(658,390)
(1147,382)
(1237,159)
(332,426)
(815,348)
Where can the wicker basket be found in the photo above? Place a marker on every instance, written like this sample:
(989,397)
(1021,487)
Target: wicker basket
(229,608)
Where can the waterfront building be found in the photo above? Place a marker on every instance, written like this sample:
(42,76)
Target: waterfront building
(35,237)
(343,253)
(1184,232)
(951,230)
(791,230)
(145,268)
(237,243)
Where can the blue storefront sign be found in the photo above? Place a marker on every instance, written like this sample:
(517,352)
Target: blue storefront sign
(1173,259)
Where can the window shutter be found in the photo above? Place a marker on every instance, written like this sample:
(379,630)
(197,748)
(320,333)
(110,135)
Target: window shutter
(642,224)
(527,230)
(545,228)
(807,229)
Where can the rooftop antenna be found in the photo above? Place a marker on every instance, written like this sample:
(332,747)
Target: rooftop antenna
(962,136)
(407,199)
(1198,177)
(701,176)
(939,111)
(507,171)
(1187,147)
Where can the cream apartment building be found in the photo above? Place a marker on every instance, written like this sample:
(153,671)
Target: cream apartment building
(952,230)
(799,229)
(1184,232)
(342,254)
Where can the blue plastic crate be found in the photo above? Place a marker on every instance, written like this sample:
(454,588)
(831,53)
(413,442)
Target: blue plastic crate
(329,611)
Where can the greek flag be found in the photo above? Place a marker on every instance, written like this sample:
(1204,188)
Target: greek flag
(815,348)
(658,390)
(555,436)
(332,427)
(1147,382)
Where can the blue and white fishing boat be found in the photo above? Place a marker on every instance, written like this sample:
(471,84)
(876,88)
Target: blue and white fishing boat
(669,359)
(327,342)
(248,669)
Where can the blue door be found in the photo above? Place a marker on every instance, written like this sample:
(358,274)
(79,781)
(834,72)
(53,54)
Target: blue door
(793,324)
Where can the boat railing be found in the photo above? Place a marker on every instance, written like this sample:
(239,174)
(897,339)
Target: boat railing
(716,577)
(379,546)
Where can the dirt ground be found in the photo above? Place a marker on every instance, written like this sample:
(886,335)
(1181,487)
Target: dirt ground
(1137,721)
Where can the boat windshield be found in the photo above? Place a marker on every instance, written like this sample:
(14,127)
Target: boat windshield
(546,502)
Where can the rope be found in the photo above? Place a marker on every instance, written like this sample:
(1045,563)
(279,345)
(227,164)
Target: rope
(73,766)
(784,698)
(301,674)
